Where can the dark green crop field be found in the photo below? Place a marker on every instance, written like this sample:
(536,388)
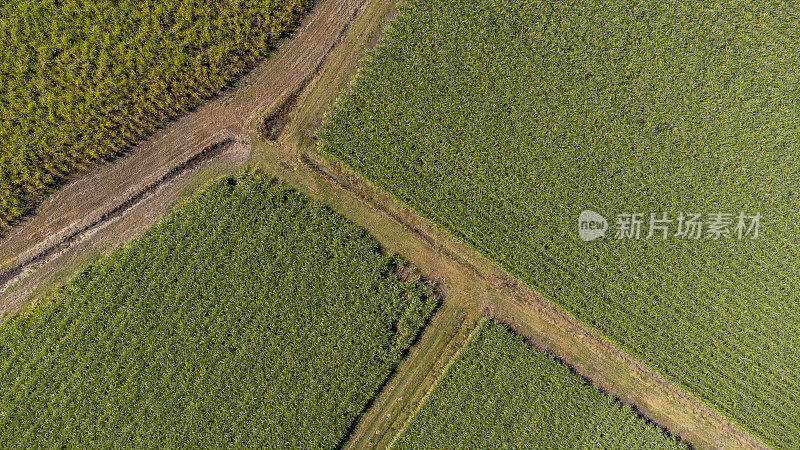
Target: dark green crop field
(81,80)
(249,317)
(500,393)
(502,121)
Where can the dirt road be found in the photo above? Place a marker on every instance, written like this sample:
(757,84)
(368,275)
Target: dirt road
(475,285)
(82,206)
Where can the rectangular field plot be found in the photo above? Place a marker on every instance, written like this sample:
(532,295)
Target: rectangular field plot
(503,121)
(249,317)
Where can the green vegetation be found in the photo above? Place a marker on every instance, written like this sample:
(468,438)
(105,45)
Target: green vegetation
(500,393)
(501,121)
(249,317)
(84,79)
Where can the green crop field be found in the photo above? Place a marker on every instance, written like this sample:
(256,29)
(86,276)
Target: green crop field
(502,121)
(81,80)
(500,393)
(249,317)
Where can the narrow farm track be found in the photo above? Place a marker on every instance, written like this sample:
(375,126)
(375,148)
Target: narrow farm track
(88,201)
(316,63)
